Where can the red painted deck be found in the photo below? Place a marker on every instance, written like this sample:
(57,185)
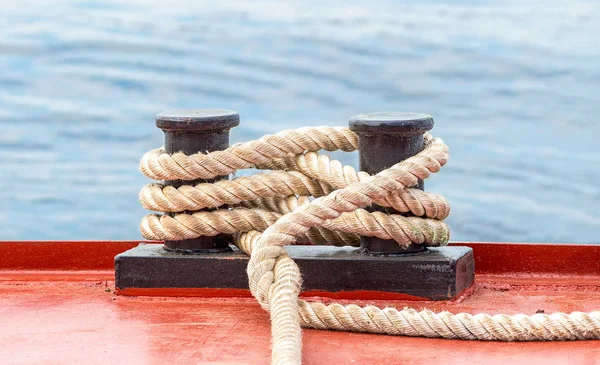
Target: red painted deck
(58,306)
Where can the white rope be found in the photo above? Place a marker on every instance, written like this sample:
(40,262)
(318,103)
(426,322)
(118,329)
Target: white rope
(278,204)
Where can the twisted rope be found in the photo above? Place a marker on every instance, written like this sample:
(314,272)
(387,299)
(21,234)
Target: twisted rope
(273,210)
(159,165)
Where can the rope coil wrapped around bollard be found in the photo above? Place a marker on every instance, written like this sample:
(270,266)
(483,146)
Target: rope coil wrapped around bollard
(268,211)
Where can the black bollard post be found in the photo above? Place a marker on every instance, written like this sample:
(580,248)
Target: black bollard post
(384,139)
(192,131)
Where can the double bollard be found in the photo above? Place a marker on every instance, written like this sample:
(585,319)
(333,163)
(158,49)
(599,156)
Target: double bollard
(200,265)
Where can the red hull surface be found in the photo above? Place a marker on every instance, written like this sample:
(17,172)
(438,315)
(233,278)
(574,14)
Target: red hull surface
(58,306)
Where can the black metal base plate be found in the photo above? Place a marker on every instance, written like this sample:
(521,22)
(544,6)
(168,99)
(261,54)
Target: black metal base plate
(436,274)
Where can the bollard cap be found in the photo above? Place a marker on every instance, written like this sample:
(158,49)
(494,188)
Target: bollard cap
(397,123)
(198,120)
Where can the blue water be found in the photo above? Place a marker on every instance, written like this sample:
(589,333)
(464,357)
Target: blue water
(514,88)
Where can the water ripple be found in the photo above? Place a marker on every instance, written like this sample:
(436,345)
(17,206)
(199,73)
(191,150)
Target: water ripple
(515,99)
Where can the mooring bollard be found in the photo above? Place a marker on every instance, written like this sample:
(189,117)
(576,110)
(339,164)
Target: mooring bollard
(384,139)
(192,131)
